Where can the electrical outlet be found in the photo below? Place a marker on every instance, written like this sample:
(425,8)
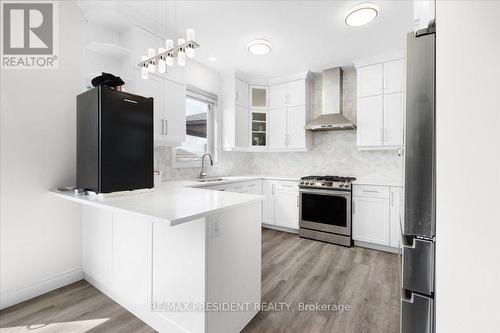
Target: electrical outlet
(215,228)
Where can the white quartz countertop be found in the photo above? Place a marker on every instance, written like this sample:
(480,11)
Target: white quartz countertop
(173,202)
(377,181)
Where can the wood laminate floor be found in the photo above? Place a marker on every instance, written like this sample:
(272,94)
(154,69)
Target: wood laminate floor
(294,271)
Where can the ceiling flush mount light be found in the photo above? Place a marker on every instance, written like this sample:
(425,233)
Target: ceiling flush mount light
(259,47)
(361,14)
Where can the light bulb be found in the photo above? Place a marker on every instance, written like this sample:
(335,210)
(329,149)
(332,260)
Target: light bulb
(151,65)
(181,58)
(169,44)
(162,66)
(169,59)
(190,51)
(181,55)
(190,35)
(144,68)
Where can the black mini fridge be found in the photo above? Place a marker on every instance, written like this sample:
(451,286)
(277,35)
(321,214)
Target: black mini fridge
(114,141)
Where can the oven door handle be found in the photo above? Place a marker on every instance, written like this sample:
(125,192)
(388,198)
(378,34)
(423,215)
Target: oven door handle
(346,194)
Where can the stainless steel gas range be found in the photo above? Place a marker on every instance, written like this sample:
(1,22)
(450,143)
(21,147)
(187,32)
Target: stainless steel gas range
(325,209)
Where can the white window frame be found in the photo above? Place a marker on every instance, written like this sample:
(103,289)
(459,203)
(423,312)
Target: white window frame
(212,123)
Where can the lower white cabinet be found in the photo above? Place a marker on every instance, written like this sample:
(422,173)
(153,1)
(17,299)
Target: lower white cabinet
(286,208)
(280,206)
(371,220)
(375,214)
(268,202)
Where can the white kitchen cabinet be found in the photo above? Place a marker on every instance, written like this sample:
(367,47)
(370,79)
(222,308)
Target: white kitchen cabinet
(297,91)
(286,207)
(131,264)
(97,231)
(370,220)
(242,121)
(296,120)
(393,119)
(169,102)
(268,202)
(380,104)
(277,129)
(174,112)
(370,121)
(278,95)
(259,97)
(394,76)
(370,80)
(153,87)
(281,106)
(396,213)
(241,93)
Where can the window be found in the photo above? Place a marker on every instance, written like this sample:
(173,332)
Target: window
(200,129)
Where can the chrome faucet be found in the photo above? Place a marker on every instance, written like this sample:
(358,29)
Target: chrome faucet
(203,172)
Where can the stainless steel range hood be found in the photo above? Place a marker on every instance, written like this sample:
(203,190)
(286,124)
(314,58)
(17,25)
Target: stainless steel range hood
(331,118)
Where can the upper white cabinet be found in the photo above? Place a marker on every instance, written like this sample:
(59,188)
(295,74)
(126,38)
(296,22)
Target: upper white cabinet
(169,108)
(370,118)
(259,97)
(273,118)
(241,93)
(380,103)
(291,93)
(394,76)
(370,80)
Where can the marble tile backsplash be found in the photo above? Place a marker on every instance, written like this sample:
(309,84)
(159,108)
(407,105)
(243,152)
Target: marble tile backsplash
(333,152)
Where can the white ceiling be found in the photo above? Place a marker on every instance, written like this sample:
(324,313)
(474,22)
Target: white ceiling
(305,34)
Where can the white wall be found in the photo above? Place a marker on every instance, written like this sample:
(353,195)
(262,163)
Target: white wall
(40,234)
(468,166)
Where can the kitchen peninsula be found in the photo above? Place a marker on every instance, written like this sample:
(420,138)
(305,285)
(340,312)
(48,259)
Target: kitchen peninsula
(170,255)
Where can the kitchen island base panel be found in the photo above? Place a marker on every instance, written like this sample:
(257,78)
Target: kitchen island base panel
(141,262)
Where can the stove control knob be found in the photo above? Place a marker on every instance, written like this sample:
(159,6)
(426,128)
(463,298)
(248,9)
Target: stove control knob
(346,185)
(341,184)
(323,184)
(301,182)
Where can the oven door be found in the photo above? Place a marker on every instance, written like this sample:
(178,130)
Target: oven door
(326,210)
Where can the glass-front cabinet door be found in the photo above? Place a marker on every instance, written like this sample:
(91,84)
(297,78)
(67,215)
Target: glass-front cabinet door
(259,129)
(259,97)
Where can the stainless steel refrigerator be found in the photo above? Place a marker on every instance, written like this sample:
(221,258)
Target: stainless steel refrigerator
(419,226)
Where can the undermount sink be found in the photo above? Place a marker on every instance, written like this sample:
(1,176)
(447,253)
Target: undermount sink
(209,180)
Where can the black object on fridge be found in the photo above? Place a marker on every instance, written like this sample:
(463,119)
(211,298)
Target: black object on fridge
(114,141)
(419,227)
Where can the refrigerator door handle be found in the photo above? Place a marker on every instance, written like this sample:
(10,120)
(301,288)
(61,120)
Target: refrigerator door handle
(416,314)
(418,266)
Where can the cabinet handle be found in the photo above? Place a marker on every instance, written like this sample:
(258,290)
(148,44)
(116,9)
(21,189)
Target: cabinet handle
(392,199)
(353,207)
(370,191)
(162,127)
(166,126)
(297,200)
(386,136)
(237,96)
(272,189)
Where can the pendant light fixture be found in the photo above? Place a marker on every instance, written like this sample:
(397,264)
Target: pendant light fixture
(165,57)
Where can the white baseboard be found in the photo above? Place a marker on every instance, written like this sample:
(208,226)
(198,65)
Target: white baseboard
(280,228)
(376,247)
(12,297)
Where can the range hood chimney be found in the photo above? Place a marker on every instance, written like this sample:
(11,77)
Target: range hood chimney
(331,118)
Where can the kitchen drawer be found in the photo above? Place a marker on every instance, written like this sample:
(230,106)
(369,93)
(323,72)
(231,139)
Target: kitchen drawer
(286,186)
(371,191)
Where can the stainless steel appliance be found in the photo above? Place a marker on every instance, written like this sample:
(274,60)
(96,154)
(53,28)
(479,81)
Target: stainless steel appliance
(325,209)
(419,227)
